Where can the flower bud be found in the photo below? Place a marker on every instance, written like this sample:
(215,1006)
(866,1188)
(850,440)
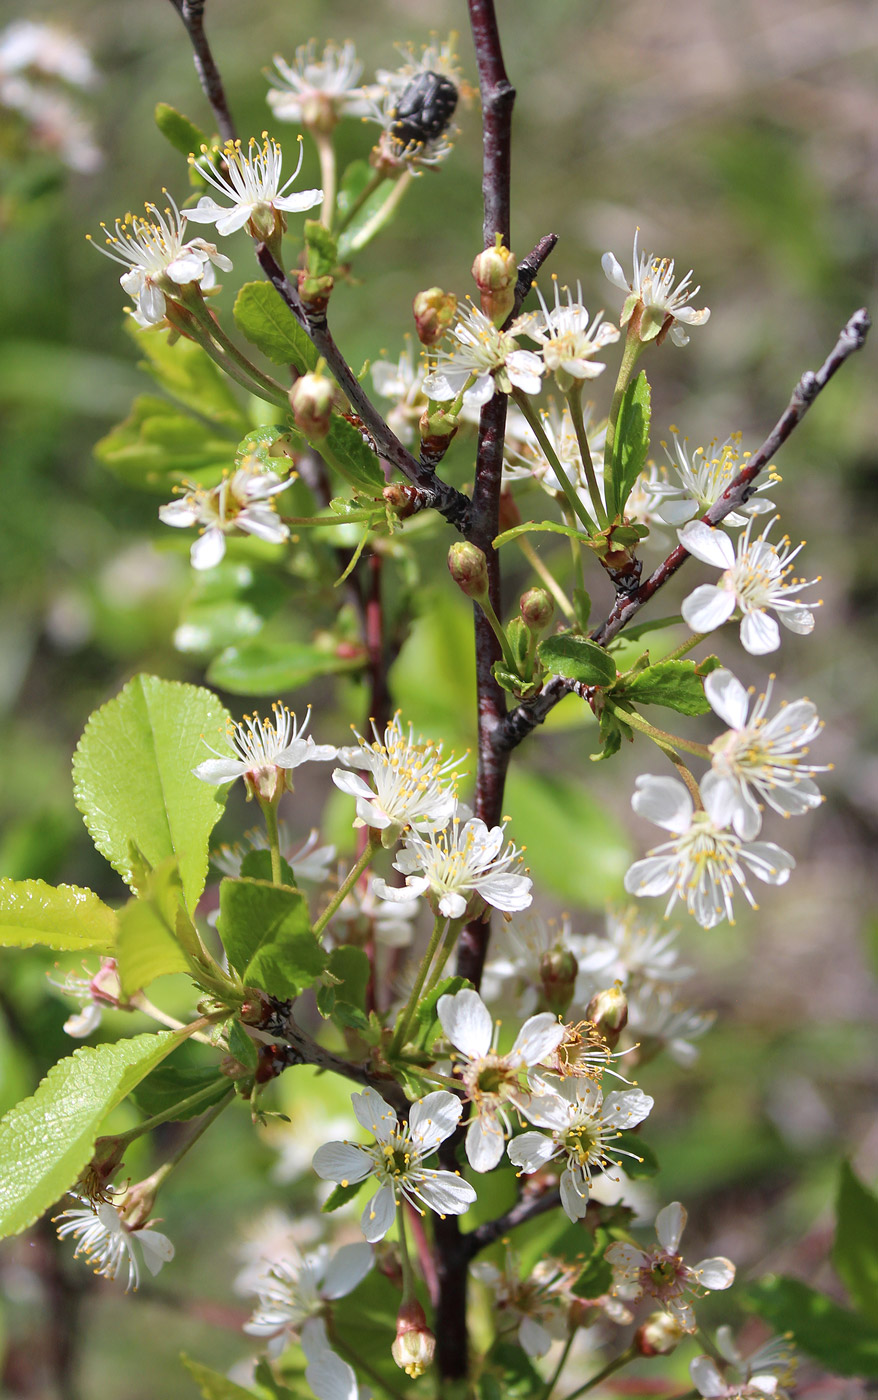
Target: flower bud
(312,398)
(496,272)
(658,1335)
(558,969)
(536,608)
(434,310)
(608,1011)
(469,569)
(414,1346)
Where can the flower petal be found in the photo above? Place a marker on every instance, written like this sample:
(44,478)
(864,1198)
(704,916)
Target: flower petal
(466,1021)
(760,633)
(669,1226)
(707,607)
(710,545)
(347,1267)
(379,1214)
(727,697)
(665,801)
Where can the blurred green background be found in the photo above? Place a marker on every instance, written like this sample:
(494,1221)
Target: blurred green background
(743,139)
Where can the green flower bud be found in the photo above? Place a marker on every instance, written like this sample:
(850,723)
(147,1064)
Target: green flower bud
(558,969)
(469,569)
(312,399)
(495,272)
(536,609)
(608,1011)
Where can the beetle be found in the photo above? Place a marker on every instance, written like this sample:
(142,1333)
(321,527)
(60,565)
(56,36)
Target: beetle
(424,109)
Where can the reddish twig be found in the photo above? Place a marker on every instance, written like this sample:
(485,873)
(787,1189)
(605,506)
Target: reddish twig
(191,13)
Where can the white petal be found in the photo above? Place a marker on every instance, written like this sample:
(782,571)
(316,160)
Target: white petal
(466,1021)
(727,697)
(374,1114)
(342,1162)
(534,1338)
(669,1226)
(715,1273)
(665,801)
(506,892)
(677,512)
(719,794)
(348,1267)
(433,1119)
(452,905)
(187,268)
(706,1377)
(296,203)
(379,1215)
(574,1202)
(626,1108)
(446,1192)
(351,783)
(484,1142)
(710,545)
(83,1022)
(180,514)
(708,607)
(538,1037)
(208,550)
(206,211)
(760,633)
(768,862)
(157,1248)
(654,875)
(220,770)
(152,303)
(799,620)
(530,1151)
(400,894)
(613,271)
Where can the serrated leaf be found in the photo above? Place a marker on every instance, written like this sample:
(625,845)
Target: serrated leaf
(630,445)
(345,450)
(841,1340)
(133,779)
(267,668)
(65,917)
(674,684)
(212,1384)
(158,446)
(577,659)
(183,134)
(266,932)
(267,322)
(46,1140)
(855,1251)
(147,946)
(189,374)
(167,1086)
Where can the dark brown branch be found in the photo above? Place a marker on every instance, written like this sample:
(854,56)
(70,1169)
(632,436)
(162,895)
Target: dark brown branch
(530,266)
(498,96)
(453,504)
(191,13)
(528,1208)
(301,1049)
(524,719)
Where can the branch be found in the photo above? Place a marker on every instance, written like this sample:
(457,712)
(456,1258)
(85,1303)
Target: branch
(301,1049)
(448,501)
(498,96)
(191,13)
(524,718)
(529,267)
(528,1208)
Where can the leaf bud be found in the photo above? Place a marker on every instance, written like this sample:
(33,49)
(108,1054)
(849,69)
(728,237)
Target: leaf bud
(312,399)
(496,272)
(402,498)
(414,1346)
(608,1011)
(536,608)
(558,970)
(434,310)
(469,569)
(658,1335)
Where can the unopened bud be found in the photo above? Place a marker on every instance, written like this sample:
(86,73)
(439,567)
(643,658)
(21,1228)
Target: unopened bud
(469,569)
(414,1346)
(608,1011)
(558,969)
(536,608)
(496,272)
(434,310)
(314,292)
(312,399)
(402,498)
(658,1335)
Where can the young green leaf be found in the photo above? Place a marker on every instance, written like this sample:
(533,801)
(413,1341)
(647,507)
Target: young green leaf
(158,446)
(133,778)
(267,322)
(630,445)
(321,249)
(148,946)
(345,450)
(374,214)
(267,668)
(189,374)
(46,1140)
(353,970)
(212,1384)
(266,932)
(66,918)
(167,1086)
(840,1340)
(577,659)
(674,684)
(183,134)
(855,1251)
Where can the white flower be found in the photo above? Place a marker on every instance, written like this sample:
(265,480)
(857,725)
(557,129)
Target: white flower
(93,993)
(318,91)
(402,382)
(259,751)
(538,1302)
(460,868)
(160,258)
(408,776)
(661,1273)
(655,1014)
(701,478)
(242,503)
(583,1126)
(643,950)
(652,288)
(298,1286)
(55,121)
(329,1377)
(759,757)
(253,183)
(395,1158)
(493,358)
(48,50)
(270,1237)
(705,860)
(109,1244)
(568,338)
(754,580)
(363,915)
(493,1083)
(307,859)
(764,1372)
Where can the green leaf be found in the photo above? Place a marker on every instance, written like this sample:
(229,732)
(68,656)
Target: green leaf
(321,249)
(840,1340)
(426,1012)
(855,1251)
(189,374)
(267,668)
(147,946)
(577,659)
(550,527)
(183,134)
(511,1367)
(658,624)
(242,1046)
(256,865)
(133,779)
(596,1278)
(642,1163)
(630,445)
(352,968)
(340,1196)
(212,1384)
(66,918)
(266,321)
(158,446)
(266,932)
(167,1086)
(573,843)
(674,684)
(612,731)
(345,450)
(46,1140)
(375,214)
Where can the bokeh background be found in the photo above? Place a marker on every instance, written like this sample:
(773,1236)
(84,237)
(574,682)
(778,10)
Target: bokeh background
(743,139)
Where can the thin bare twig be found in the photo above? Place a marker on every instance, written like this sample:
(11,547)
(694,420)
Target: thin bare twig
(191,13)
(524,718)
(528,1208)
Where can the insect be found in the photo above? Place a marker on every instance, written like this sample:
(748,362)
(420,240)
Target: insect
(424,109)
